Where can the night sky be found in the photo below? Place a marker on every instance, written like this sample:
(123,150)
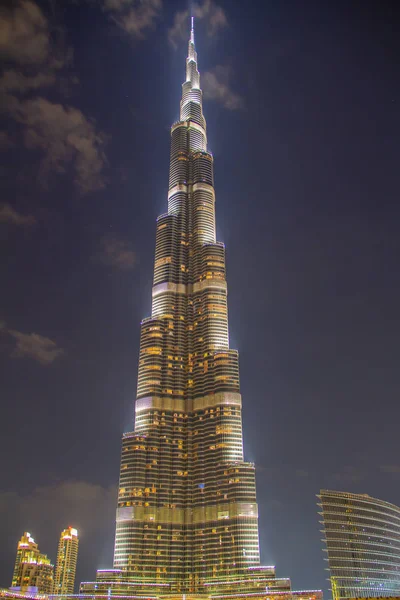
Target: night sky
(302,101)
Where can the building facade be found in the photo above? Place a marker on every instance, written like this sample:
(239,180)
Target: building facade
(67,556)
(187,516)
(187,507)
(362,537)
(33,571)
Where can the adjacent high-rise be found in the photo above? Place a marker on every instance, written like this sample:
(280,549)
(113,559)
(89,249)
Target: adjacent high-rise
(33,571)
(187,520)
(67,556)
(362,536)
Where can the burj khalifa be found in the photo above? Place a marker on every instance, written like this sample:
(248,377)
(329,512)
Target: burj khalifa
(187,517)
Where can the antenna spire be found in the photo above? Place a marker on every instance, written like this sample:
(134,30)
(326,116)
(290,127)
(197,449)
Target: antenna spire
(192,30)
(192,56)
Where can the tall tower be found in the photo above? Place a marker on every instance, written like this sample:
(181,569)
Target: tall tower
(187,520)
(67,557)
(33,571)
(187,507)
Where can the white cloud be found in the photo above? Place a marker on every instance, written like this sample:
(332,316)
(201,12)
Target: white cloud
(135,17)
(117,5)
(24,34)
(216,86)
(64,136)
(9,215)
(47,510)
(213,15)
(33,345)
(73,501)
(116,252)
(180,29)
(15,81)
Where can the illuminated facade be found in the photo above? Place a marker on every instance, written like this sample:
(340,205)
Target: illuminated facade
(33,571)
(15,595)
(67,556)
(187,517)
(187,509)
(362,536)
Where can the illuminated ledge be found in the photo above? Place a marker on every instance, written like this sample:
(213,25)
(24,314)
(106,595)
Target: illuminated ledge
(134,435)
(172,404)
(203,186)
(10,593)
(117,576)
(180,288)
(180,187)
(191,124)
(162,288)
(209,283)
(263,595)
(182,405)
(187,516)
(91,595)
(227,398)
(271,595)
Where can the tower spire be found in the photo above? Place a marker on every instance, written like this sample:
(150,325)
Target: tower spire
(192,30)
(192,73)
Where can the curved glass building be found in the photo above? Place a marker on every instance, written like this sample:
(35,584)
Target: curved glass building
(362,536)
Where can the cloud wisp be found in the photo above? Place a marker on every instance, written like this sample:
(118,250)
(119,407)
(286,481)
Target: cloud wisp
(216,85)
(76,499)
(24,34)
(209,11)
(116,252)
(32,345)
(65,137)
(349,475)
(47,509)
(135,17)
(8,214)
(390,469)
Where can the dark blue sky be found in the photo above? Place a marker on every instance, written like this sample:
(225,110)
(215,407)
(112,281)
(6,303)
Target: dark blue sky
(303,112)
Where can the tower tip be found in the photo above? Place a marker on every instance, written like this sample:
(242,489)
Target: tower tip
(192,30)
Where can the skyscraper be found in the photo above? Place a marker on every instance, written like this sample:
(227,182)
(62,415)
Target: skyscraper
(187,502)
(67,557)
(362,536)
(33,571)
(187,519)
